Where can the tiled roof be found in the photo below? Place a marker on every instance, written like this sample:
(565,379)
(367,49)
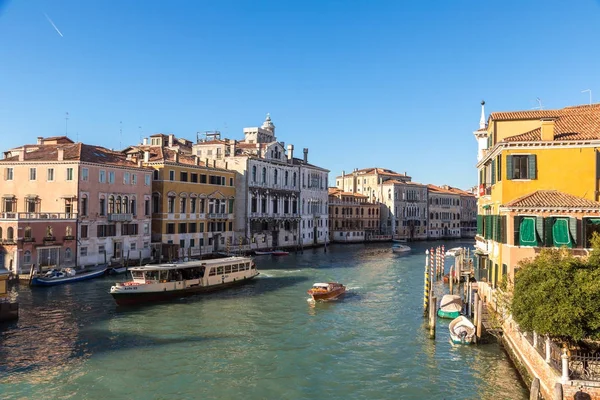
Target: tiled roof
(438,189)
(338,192)
(574,125)
(460,191)
(397,182)
(551,199)
(163,154)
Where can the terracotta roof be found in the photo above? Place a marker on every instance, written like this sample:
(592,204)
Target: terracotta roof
(74,152)
(439,189)
(551,199)
(460,191)
(575,125)
(397,182)
(338,192)
(163,154)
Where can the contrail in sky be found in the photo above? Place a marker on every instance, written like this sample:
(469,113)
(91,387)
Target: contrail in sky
(49,20)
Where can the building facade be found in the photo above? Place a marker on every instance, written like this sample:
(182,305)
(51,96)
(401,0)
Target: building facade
(468,212)
(444,213)
(352,218)
(404,211)
(83,205)
(313,201)
(192,204)
(538,186)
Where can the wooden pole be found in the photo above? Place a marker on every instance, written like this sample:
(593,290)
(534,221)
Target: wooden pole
(451,279)
(426,285)
(479,318)
(432,319)
(140,258)
(475,305)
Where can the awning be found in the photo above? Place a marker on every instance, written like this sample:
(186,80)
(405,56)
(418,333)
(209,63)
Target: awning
(487,207)
(560,233)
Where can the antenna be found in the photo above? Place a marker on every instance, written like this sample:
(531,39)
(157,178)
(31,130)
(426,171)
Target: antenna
(67,124)
(540,106)
(588,90)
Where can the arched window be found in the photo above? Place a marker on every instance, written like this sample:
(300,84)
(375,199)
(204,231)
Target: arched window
(362,211)
(10,233)
(0,233)
(68,254)
(336,211)
(69,231)
(125,205)
(431,216)
(27,257)
(264,175)
(28,232)
(133,206)
(254,173)
(275,177)
(118,205)
(294,180)
(286,178)
(111,204)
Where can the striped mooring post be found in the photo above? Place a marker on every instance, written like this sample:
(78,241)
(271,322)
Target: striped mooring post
(426,285)
(431,267)
(442,258)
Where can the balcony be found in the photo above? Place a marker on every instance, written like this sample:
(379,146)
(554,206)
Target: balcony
(32,216)
(218,216)
(484,190)
(120,217)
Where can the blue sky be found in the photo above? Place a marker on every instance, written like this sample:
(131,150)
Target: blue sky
(395,84)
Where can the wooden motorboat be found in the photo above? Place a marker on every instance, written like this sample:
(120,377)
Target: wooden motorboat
(400,248)
(262,253)
(67,275)
(450,306)
(462,331)
(279,253)
(326,291)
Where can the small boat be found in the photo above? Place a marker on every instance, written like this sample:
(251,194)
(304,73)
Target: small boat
(170,281)
(454,252)
(117,270)
(67,275)
(399,240)
(400,248)
(450,306)
(279,253)
(262,253)
(326,291)
(462,330)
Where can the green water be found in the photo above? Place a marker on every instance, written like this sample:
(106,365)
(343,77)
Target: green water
(264,340)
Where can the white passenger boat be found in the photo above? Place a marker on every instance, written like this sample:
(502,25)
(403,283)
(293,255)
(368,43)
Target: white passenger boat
(166,281)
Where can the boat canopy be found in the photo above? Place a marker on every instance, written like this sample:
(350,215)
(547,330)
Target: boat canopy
(321,284)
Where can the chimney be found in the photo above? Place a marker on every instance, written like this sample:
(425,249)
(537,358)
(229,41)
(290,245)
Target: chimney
(145,141)
(176,157)
(290,155)
(61,154)
(22,155)
(214,163)
(232,147)
(40,140)
(196,160)
(305,155)
(146,156)
(206,162)
(171,138)
(547,129)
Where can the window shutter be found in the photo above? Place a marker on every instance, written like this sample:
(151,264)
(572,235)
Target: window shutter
(548,240)
(498,229)
(499,167)
(509,167)
(532,166)
(573,230)
(517,222)
(539,227)
(493,171)
(480,225)
(503,235)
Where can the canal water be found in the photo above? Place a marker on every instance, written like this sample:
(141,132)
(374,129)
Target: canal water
(264,340)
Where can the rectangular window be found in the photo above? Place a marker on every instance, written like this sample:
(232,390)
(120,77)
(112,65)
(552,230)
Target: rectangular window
(182,243)
(134,179)
(230,181)
(525,231)
(171,175)
(146,245)
(170,228)
(146,229)
(106,230)
(111,177)
(84,231)
(521,166)
(126,178)
(147,179)
(32,174)
(9,174)
(182,227)
(84,205)
(201,229)
(83,251)
(132,246)
(194,178)
(183,176)
(146,207)
(102,176)
(101,249)
(85,174)
(129,229)
(155,175)
(192,243)
(192,227)
(69,174)
(202,178)
(171,204)
(102,206)
(50,174)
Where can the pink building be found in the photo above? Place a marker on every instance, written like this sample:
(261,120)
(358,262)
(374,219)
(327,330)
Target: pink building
(66,204)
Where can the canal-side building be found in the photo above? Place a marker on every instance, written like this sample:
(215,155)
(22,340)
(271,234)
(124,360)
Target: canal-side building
(538,186)
(404,209)
(468,212)
(352,218)
(192,204)
(72,204)
(368,181)
(444,213)
(270,186)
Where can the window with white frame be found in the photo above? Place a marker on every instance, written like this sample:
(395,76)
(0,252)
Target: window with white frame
(32,174)
(50,174)
(111,176)
(69,174)
(102,176)
(85,172)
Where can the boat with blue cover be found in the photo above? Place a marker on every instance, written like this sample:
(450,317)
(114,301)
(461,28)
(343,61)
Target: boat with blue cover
(66,275)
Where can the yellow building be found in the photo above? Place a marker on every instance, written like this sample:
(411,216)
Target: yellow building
(539,174)
(192,203)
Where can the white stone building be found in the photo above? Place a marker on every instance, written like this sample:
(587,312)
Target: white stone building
(444,213)
(404,214)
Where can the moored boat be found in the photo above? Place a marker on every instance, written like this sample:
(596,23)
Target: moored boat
(262,253)
(462,330)
(279,253)
(117,270)
(167,281)
(454,252)
(450,306)
(67,275)
(326,291)
(400,248)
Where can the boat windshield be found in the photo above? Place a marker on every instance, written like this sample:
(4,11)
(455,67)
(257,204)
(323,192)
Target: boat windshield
(137,276)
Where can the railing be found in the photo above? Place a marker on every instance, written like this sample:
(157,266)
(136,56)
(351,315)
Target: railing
(218,215)
(40,215)
(584,366)
(120,217)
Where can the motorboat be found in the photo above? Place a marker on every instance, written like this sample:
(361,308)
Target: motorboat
(66,275)
(450,306)
(326,291)
(462,331)
(167,281)
(400,248)
(279,253)
(262,253)
(454,252)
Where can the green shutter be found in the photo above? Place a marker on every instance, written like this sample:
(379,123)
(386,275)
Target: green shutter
(532,166)
(481,177)
(547,238)
(487,227)
(480,225)
(499,167)
(503,235)
(527,234)
(495,275)
(509,167)
(504,271)
(573,230)
(539,227)
(516,228)
(498,229)
(560,233)
(493,172)
(230,206)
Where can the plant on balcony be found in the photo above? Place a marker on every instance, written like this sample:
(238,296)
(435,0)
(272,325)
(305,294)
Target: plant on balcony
(558,294)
